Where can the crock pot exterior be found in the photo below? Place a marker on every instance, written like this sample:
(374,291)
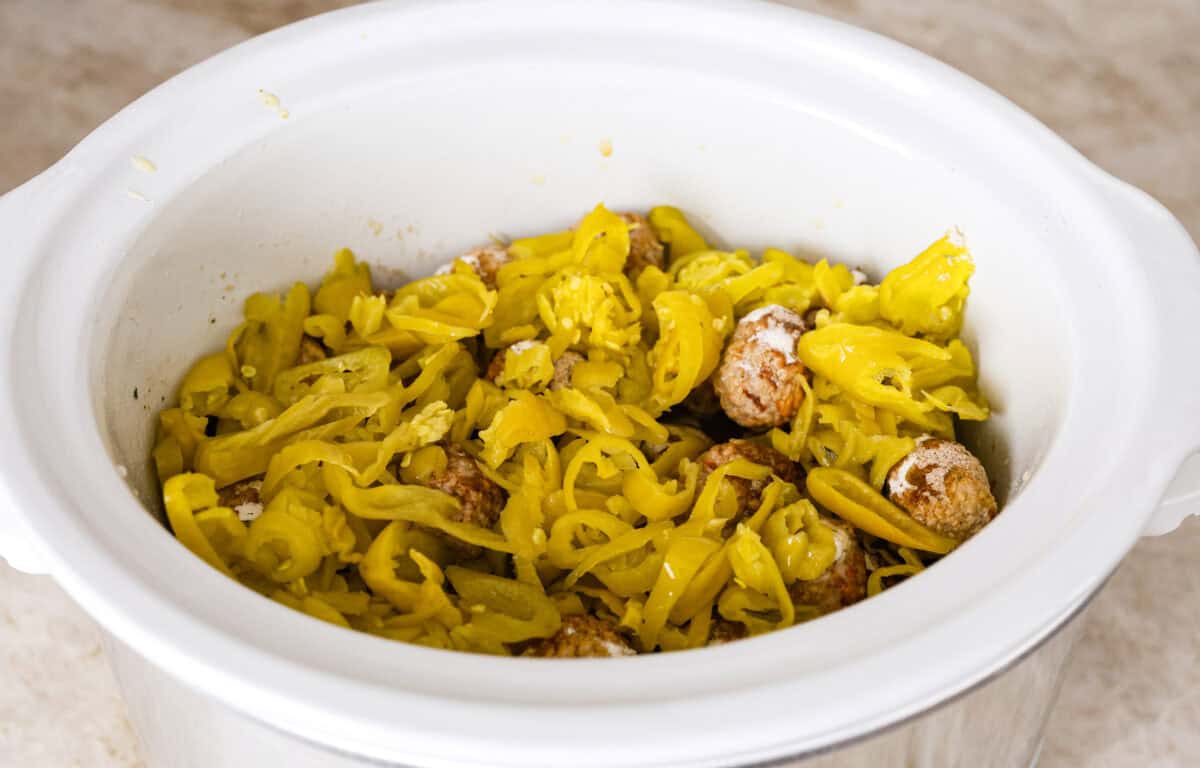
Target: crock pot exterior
(962,731)
(66,509)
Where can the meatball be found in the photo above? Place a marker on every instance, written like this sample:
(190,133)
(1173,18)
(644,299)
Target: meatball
(582,636)
(563,367)
(645,249)
(944,487)
(486,261)
(844,582)
(759,380)
(726,631)
(749,492)
(311,350)
(481,499)
(243,497)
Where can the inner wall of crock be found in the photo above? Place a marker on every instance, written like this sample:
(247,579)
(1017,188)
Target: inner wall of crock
(411,176)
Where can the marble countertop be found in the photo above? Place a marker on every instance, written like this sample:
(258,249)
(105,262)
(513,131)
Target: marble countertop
(1119,80)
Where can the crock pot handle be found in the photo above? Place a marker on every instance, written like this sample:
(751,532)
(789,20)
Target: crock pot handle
(19,221)
(1168,251)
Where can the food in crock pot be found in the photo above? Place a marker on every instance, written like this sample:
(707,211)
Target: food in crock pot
(479,498)
(944,487)
(747,492)
(581,636)
(844,582)
(645,249)
(759,377)
(486,261)
(609,440)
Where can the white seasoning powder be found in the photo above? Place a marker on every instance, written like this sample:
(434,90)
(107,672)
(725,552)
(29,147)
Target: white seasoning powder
(900,484)
(616,649)
(762,312)
(248,511)
(939,461)
(839,544)
(777,338)
(471,258)
(898,477)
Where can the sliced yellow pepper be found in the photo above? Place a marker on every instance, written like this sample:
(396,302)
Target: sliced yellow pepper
(927,295)
(862,506)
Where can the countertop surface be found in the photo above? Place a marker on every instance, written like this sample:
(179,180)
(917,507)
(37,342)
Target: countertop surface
(1119,80)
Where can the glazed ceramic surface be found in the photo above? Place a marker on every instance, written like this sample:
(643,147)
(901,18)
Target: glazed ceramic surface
(404,131)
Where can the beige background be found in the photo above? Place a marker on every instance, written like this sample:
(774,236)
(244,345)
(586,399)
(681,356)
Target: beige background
(1120,80)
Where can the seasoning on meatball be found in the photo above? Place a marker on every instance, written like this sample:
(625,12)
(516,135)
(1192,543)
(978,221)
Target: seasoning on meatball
(749,492)
(243,497)
(944,487)
(563,368)
(480,499)
(485,260)
(844,582)
(759,380)
(582,636)
(726,631)
(645,249)
(311,350)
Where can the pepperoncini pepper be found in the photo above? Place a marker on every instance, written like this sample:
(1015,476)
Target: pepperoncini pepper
(270,338)
(927,295)
(861,505)
(673,229)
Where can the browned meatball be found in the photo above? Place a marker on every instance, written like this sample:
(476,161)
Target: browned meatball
(243,497)
(481,499)
(726,631)
(486,261)
(845,581)
(311,350)
(944,487)
(563,367)
(582,636)
(645,249)
(749,492)
(759,380)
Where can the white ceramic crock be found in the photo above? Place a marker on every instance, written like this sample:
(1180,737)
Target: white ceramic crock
(406,131)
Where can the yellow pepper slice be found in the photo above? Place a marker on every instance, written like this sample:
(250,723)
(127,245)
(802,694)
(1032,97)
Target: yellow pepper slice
(802,545)
(205,389)
(341,285)
(675,232)
(862,506)
(601,243)
(684,558)
(184,495)
(527,418)
(503,610)
(269,340)
(927,295)
(687,351)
